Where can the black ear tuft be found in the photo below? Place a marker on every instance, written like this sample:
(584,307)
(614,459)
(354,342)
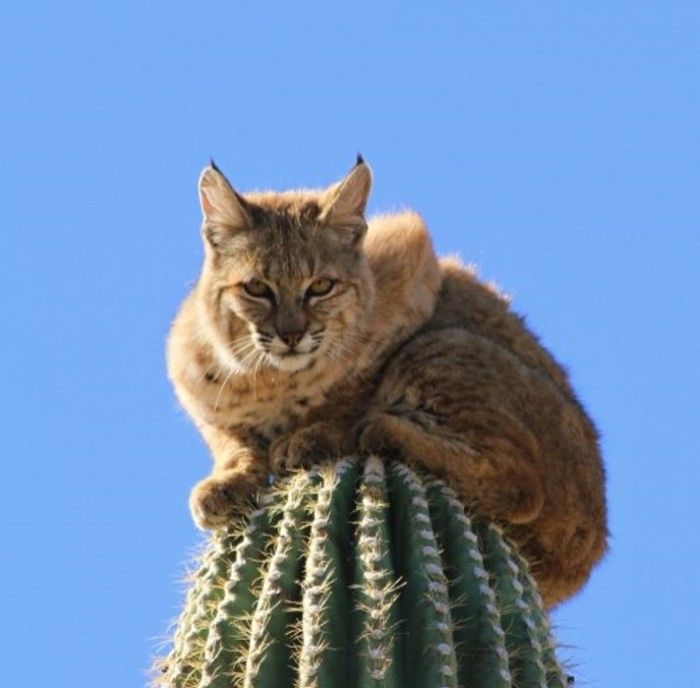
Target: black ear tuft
(360,159)
(216,169)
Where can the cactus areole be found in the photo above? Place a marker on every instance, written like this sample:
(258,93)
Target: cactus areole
(361,574)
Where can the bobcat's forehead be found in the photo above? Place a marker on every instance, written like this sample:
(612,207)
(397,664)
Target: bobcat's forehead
(282,218)
(287,245)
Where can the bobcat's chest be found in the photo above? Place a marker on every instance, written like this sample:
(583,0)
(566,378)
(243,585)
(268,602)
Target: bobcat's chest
(271,410)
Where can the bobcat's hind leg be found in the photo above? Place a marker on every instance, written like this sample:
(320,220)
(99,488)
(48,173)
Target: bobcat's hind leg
(492,475)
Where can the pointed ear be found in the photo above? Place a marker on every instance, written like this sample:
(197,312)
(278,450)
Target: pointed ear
(224,211)
(343,204)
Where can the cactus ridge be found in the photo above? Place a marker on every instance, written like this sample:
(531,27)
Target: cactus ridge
(429,643)
(376,587)
(555,676)
(325,605)
(271,620)
(479,635)
(185,660)
(361,574)
(226,642)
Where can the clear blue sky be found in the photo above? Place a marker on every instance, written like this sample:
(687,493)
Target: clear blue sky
(555,144)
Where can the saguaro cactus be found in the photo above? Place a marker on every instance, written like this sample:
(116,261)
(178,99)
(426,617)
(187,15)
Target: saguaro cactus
(358,575)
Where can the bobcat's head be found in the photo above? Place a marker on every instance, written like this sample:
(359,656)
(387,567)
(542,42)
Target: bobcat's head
(285,281)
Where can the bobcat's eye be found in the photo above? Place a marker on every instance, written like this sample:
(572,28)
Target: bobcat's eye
(320,287)
(256,287)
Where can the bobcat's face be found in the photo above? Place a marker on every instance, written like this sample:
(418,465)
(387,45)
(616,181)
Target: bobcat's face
(292,304)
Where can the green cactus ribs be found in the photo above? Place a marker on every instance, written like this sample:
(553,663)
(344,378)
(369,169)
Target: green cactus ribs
(361,574)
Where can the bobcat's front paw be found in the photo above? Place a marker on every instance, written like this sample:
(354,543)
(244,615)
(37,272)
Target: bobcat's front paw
(214,500)
(303,448)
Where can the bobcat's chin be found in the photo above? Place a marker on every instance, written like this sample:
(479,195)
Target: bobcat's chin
(291,362)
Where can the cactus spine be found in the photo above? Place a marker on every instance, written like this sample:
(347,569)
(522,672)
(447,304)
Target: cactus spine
(361,575)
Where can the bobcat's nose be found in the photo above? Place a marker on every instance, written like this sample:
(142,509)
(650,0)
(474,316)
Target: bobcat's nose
(291,338)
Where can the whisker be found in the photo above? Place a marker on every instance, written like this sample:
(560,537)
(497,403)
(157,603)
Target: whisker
(262,356)
(221,389)
(249,358)
(241,344)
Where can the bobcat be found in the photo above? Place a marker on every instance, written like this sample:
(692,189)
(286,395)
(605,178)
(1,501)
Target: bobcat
(312,334)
